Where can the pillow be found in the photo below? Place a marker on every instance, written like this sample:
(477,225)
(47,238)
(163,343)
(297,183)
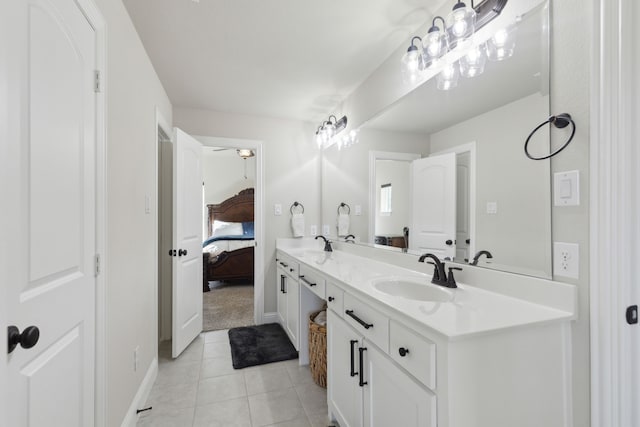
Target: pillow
(247,228)
(221,228)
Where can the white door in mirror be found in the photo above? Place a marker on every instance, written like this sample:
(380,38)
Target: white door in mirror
(433,214)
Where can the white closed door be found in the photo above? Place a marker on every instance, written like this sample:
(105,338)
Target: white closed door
(50,205)
(463,198)
(433,205)
(187,241)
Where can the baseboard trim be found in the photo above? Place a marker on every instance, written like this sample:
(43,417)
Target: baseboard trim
(141,396)
(270,317)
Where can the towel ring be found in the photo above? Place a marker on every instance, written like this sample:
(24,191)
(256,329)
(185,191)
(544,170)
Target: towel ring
(344,205)
(295,205)
(560,121)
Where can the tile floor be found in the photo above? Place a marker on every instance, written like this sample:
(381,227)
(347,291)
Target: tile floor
(201,388)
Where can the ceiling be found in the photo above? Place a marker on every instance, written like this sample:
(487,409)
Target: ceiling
(295,59)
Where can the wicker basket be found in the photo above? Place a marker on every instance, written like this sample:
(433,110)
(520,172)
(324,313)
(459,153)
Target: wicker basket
(318,351)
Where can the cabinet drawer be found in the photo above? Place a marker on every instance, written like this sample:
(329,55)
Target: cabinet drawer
(335,299)
(419,353)
(371,323)
(312,280)
(288,265)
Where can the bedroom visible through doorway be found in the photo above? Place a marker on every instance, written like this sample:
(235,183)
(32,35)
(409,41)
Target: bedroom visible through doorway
(229,179)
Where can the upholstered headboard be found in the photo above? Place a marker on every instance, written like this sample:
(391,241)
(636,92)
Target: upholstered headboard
(238,208)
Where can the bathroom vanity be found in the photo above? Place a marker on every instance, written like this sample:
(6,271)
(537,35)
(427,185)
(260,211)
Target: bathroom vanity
(402,351)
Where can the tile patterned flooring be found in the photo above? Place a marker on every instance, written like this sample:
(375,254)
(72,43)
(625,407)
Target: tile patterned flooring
(201,388)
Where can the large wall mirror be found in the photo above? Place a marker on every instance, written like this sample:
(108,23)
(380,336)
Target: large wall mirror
(445,171)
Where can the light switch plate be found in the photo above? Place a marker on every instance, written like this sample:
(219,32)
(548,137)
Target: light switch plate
(492,208)
(566,188)
(566,259)
(358,210)
(313,230)
(277,209)
(326,230)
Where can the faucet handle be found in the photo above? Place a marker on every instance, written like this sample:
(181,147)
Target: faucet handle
(451,281)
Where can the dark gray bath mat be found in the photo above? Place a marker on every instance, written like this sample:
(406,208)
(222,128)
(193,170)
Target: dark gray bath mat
(257,345)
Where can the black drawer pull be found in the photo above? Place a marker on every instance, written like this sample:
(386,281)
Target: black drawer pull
(331,299)
(362,350)
(282,283)
(403,351)
(359,320)
(284,264)
(307,282)
(353,363)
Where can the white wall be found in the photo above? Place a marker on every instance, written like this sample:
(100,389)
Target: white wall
(398,174)
(571,30)
(223,174)
(504,175)
(345,175)
(133,91)
(291,169)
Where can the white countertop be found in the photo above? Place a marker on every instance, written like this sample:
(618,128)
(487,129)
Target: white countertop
(471,311)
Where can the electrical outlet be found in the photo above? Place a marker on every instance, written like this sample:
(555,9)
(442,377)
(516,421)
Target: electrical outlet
(313,230)
(326,230)
(277,209)
(566,259)
(135,358)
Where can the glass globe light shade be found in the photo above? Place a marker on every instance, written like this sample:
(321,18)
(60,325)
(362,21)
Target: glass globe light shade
(412,64)
(448,77)
(461,24)
(502,45)
(435,46)
(472,64)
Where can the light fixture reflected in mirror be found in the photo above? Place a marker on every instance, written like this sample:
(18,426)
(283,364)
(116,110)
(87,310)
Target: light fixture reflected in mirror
(472,64)
(435,43)
(448,77)
(502,45)
(413,61)
(245,153)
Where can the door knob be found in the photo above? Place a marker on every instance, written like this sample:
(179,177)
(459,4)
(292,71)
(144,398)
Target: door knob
(449,242)
(468,241)
(182,252)
(27,339)
(403,351)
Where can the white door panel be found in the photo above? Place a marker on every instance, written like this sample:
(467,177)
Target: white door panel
(187,241)
(463,197)
(433,211)
(52,280)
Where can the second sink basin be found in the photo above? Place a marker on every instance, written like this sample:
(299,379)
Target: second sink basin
(412,288)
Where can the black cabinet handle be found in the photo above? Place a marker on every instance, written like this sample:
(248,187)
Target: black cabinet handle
(291,270)
(353,363)
(284,264)
(403,351)
(282,283)
(362,350)
(27,339)
(449,242)
(331,299)
(307,282)
(359,320)
(468,241)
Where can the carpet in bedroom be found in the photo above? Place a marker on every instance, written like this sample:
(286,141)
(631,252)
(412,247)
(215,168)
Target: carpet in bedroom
(227,306)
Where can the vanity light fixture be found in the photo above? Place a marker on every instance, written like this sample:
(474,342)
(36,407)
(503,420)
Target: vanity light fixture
(457,34)
(413,61)
(329,129)
(435,43)
(461,24)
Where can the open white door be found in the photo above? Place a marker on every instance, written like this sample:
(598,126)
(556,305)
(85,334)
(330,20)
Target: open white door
(187,241)
(50,235)
(433,210)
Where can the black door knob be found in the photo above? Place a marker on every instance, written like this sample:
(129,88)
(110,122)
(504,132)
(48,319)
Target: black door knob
(331,299)
(449,242)
(403,351)
(468,241)
(182,252)
(27,339)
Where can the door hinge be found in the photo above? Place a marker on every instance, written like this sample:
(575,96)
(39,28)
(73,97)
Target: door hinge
(97,264)
(97,84)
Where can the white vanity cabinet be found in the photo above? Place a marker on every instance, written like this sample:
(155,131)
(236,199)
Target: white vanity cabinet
(366,388)
(288,297)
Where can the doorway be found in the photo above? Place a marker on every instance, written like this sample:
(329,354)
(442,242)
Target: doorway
(228,178)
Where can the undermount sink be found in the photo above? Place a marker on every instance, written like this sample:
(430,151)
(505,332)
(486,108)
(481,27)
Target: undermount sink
(412,288)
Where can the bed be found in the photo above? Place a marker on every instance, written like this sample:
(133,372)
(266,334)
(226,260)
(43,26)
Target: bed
(228,253)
